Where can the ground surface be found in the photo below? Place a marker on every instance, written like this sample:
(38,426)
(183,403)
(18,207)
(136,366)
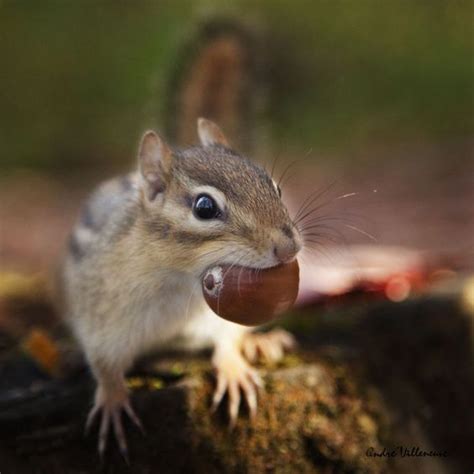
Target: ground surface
(383,376)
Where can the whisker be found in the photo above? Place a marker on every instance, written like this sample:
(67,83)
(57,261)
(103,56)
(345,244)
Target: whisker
(275,161)
(310,223)
(344,196)
(339,215)
(285,171)
(319,237)
(318,250)
(370,236)
(236,263)
(320,223)
(312,197)
(287,179)
(323,232)
(198,283)
(304,213)
(188,304)
(307,212)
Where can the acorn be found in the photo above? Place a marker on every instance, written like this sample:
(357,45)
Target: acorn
(251,296)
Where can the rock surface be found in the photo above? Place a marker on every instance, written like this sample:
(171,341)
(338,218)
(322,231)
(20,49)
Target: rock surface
(366,380)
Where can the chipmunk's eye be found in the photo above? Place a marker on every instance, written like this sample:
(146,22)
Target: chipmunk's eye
(205,207)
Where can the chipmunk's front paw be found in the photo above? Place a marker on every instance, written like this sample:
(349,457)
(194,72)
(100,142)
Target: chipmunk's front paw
(234,374)
(271,346)
(110,409)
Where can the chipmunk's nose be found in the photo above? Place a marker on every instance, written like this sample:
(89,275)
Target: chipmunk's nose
(286,248)
(283,253)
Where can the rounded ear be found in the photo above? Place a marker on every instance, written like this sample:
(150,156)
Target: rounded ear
(210,134)
(154,161)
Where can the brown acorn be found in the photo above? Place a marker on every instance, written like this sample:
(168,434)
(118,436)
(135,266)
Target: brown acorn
(251,296)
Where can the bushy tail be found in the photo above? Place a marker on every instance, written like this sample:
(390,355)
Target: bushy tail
(218,76)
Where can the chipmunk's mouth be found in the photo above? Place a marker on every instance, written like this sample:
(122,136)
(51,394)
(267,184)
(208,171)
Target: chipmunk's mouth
(250,296)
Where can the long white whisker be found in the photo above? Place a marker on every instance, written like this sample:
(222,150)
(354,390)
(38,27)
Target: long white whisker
(370,236)
(344,196)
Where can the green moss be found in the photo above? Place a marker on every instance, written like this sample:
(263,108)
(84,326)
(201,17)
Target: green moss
(301,425)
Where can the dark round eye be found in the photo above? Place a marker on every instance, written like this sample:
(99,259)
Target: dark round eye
(205,207)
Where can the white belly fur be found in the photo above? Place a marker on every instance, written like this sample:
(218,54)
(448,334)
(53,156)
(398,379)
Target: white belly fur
(179,318)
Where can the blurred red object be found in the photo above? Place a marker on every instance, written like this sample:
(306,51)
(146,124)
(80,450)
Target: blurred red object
(392,273)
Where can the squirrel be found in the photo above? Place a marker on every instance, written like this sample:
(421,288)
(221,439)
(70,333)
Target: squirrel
(131,276)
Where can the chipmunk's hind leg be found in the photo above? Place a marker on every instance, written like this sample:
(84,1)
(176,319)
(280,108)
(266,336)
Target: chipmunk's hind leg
(110,401)
(270,346)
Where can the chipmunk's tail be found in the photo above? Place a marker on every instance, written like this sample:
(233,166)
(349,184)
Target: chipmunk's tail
(217,76)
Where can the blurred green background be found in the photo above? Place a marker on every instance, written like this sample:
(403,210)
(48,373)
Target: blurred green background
(79,81)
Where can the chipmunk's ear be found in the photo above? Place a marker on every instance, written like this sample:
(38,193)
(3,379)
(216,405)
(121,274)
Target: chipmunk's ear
(210,134)
(154,160)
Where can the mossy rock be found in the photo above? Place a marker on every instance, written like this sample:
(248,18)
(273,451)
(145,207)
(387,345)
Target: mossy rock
(312,418)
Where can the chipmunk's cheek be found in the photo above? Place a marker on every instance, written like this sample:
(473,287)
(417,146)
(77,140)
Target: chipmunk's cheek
(263,257)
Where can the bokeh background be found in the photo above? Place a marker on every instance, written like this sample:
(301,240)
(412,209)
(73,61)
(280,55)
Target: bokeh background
(377,97)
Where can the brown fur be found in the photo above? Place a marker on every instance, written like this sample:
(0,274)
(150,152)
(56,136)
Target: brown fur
(132,278)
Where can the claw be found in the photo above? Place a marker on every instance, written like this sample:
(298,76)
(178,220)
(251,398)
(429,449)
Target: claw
(271,346)
(249,351)
(256,379)
(234,402)
(104,431)
(111,414)
(287,340)
(219,392)
(132,415)
(91,418)
(235,377)
(119,434)
(250,397)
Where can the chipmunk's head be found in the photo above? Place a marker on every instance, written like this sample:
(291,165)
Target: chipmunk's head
(212,205)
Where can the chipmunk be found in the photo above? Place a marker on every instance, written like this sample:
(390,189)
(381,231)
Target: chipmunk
(132,274)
